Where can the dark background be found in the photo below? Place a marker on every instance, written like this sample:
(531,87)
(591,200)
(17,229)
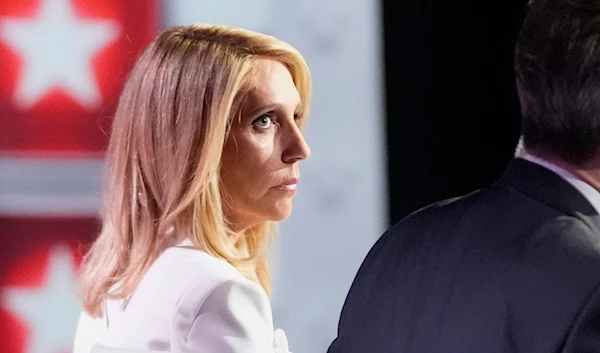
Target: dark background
(452,107)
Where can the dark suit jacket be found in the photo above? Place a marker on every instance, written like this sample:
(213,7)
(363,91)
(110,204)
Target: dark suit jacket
(512,268)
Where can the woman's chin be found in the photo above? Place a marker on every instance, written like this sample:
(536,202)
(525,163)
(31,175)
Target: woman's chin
(281,213)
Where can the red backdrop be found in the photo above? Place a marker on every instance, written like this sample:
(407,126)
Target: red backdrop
(62,67)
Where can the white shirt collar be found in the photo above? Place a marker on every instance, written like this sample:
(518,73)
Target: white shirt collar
(588,191)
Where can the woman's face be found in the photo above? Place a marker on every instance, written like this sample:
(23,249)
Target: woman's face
(259,170)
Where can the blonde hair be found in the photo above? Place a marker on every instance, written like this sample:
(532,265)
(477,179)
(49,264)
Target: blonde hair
(164,156)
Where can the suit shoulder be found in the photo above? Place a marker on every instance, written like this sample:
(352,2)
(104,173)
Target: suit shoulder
(565,240)
(558,259)
(553,271)
(414,227)
(436,212)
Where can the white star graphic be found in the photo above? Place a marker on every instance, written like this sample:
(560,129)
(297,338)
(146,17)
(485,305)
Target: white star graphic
(57,49)
(51,312)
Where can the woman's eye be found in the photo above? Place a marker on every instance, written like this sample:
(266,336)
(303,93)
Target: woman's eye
(264,121)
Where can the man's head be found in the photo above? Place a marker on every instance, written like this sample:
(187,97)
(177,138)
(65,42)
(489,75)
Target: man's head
(557,64)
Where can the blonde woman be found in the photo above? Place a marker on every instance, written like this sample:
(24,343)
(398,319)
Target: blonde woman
(203,160)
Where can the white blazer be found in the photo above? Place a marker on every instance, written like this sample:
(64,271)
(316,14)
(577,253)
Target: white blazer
(188,301)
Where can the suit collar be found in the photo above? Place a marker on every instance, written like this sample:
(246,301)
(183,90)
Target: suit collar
(549,188)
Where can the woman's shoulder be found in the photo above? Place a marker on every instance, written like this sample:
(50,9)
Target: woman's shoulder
(216,304)
(182,265)
(180,268)
(214,301)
